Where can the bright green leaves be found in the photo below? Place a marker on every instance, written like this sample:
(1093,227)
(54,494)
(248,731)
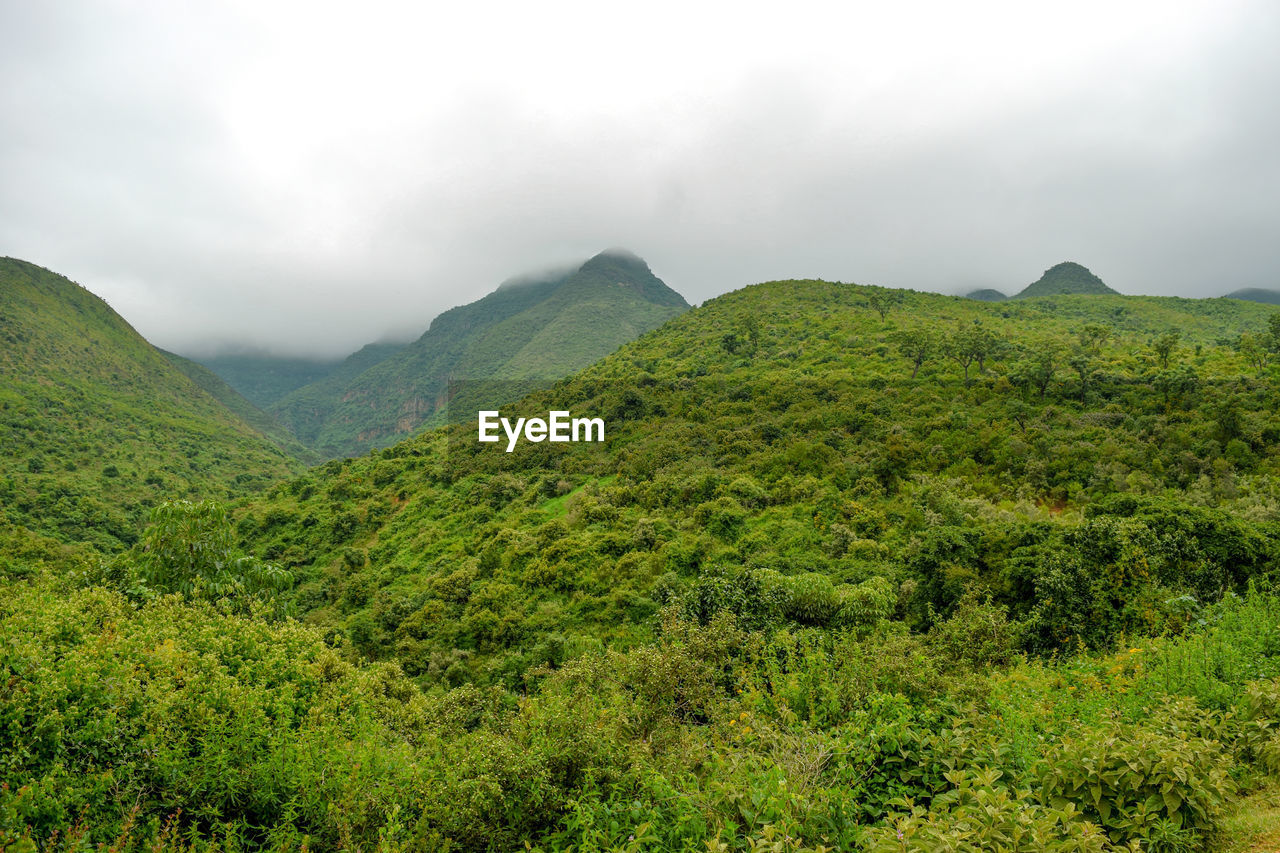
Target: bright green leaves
(189,549)
(1146,782)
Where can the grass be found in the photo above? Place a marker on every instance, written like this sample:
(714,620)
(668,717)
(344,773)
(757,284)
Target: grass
(1253,823)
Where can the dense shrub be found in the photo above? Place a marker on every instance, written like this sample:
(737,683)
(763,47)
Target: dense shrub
(1163,789)
(979,814)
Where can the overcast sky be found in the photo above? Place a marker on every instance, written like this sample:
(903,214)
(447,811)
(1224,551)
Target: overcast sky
(312,176)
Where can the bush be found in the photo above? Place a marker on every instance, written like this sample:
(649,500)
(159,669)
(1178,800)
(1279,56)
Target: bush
(811,599)
(1163,789)
(977,633)
(977,814)
(188,549)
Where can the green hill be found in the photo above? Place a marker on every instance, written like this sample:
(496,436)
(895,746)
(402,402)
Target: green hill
(1064,278)
(852,570)
(96,424)
(525,334)
(1256,294)
(986,294)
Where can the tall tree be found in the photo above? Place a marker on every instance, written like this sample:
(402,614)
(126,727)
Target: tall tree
(1038,366)
(1164,347)
(1253,350)
(972,344)
(1085,352)
(881,299)
(918,345)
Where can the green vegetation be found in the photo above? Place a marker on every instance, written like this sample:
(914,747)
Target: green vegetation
(1256,294)
(855,569)
(1075,438)
(525,334)
(98,426)
(303,408)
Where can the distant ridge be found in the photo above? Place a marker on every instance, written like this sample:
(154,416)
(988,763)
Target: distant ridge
(263,378)
(986,294)
(1256,294)
(1065,278)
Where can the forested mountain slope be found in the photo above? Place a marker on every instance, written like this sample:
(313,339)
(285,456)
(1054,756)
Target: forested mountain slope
(96,424)
(525,333)
(1256,294)
(213,385)
(305,409)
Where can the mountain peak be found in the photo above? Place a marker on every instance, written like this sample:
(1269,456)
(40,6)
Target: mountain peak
(533,329)
(1066,277)
(621,254)
(618,259)
(620,267)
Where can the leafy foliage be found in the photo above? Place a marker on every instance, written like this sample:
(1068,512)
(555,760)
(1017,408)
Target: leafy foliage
(188,549)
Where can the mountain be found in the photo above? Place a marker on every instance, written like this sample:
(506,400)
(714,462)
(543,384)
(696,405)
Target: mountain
(96,424)
(1256,294)
(986,294)
(526,334)
(1063,278)
(305,409)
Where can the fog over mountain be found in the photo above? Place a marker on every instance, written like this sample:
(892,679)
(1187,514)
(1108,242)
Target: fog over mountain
(307,179)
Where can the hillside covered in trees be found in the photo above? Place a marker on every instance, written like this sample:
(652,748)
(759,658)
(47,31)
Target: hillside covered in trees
(854,569)
(97,425)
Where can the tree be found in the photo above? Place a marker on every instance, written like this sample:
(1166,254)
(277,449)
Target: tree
(1085,351)
(1038,367)
(1093,336)
(986,344)
(188,548)
(1254,352)
(881,300)
(972,344)
(1176,384)
(747,342)
(1164,347)
(917,345)
(752,327)
(958,350)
